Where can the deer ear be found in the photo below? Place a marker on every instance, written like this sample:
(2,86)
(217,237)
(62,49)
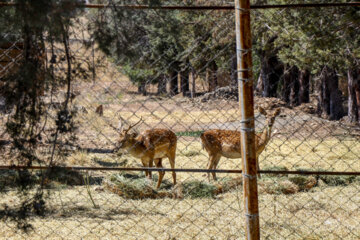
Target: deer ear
(262,111)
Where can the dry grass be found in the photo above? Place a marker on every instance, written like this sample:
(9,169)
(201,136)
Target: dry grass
(330,155)
(79,158)
(331,213)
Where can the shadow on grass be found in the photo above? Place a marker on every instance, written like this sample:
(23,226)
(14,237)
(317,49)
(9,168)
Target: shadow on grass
(90,212)
(57,176)
(110,164)
(19,215)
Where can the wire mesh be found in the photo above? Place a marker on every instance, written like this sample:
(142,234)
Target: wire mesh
(176,70)
(298,53)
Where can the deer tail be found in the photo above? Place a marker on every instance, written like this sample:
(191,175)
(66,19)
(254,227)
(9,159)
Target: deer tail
(202,137)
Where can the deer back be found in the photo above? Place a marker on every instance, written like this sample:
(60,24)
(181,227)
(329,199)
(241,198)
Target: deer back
(158,140)
(224,142)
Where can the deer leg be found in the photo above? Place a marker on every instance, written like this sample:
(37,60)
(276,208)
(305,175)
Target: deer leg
(212,165)
(146,163)
(151,164)
(158,163)
(171,157)
(216,162)
(258,167)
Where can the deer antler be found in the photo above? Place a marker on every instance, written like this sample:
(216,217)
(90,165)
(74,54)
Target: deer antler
(131,126)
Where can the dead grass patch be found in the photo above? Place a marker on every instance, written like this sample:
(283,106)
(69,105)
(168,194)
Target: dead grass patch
(136,186)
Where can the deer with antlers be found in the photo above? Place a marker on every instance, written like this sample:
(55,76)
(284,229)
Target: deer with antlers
(227,143)
(150,146)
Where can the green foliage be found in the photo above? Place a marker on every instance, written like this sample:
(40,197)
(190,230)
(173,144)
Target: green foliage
(310,38)
(137,75)
(151,44)
(32,25)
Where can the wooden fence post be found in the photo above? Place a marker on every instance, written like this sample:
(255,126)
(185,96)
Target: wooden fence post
(246,100)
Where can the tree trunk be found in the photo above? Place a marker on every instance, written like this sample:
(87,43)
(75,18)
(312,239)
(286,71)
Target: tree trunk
(212,77)
(174,89)
(277,71)
(265,75)
(162,85)
(286,86)
(259,86)
(233,70)
(184,83)
(142,88)
(193,84)
(290,86)
(324,94)
(304,82)
(330,101)
(270,73)
(357,91)
(354,95)
(295,86)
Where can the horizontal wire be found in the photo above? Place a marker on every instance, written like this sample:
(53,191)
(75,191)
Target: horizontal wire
(144,7)
(9,167)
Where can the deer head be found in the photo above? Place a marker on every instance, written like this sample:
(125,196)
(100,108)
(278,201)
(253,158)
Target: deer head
(270,119)
(127,139)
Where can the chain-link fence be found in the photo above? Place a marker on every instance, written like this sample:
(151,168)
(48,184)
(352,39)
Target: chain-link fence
(301,63)
(103,91)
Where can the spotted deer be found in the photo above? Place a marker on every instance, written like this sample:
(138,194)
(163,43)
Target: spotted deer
(227,143)
(150,146)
